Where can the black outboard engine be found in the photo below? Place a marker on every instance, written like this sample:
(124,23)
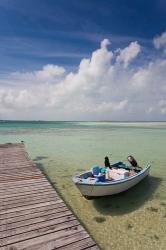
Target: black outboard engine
(107,162)
(133,162)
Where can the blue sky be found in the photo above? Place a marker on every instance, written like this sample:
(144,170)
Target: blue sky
(37,33)
(33,33)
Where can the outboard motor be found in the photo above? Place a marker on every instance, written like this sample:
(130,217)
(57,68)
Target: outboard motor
(107,162)
(133,162)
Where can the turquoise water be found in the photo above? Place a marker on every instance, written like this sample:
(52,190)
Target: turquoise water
(135,219)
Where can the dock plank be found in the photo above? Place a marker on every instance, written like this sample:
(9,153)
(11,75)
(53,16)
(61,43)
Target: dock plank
(19,232)
(21,214)
(32,214)
(47,212)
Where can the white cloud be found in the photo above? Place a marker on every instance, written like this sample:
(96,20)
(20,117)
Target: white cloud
(160,41)
(162,104)
(105,43)
(49,73)
(151,76)
(104,87)
(109,107)
(128,54)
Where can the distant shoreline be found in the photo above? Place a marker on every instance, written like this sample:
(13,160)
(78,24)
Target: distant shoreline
(79,121)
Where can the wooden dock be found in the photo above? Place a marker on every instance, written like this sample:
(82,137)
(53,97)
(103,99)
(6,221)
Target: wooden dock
(32,215)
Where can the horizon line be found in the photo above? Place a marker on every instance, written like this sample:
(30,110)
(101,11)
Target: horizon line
(19,120)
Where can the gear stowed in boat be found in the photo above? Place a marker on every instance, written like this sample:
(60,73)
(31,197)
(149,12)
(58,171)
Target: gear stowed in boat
(110,179)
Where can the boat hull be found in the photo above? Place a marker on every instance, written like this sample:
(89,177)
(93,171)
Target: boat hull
(112,187)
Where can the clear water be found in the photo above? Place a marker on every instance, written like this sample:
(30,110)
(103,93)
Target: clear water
(135,219)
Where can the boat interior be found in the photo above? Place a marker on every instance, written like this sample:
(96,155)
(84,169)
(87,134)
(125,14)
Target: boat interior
(117,171)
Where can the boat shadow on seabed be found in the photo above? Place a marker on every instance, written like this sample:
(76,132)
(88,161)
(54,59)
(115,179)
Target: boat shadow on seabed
(129,200)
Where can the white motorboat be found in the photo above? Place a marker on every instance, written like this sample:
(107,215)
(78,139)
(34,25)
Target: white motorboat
(94,182)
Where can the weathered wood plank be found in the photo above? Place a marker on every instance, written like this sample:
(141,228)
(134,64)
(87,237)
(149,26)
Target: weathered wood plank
(34,214)
(24,190)
(35,223)
(26,203)
(80,244)
(93,248)
(34,183)
(28,191)
(25,183)
(30,206)
(21,174)
(31,211)
(50,240)
(39,231)
(39,195)
(61,241)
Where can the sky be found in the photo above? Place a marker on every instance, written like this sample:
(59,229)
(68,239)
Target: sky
(83,60)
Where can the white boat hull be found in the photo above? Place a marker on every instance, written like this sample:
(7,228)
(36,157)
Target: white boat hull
(112,187)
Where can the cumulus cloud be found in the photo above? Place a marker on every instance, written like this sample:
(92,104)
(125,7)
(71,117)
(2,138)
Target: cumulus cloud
(49,73)
(128,54)
(160,41)
(103,87)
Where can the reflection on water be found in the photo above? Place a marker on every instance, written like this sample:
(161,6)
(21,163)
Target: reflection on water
(135,219)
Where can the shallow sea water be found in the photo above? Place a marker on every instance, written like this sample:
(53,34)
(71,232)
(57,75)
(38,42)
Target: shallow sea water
(135,219)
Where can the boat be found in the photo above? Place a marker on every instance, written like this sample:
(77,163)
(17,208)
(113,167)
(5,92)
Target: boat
(94,182)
